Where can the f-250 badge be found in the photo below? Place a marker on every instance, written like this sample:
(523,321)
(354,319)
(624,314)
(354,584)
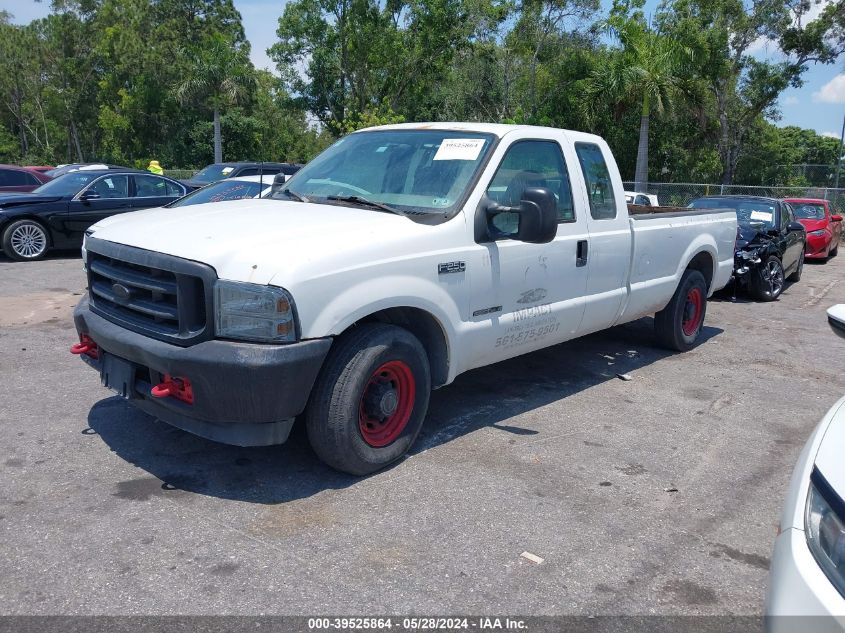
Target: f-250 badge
(451,267)
(533,296)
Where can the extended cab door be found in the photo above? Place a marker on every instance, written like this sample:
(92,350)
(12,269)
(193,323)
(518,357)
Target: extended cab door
(527,296)
(599,188)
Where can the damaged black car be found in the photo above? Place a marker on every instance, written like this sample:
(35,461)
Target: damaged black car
(769,243)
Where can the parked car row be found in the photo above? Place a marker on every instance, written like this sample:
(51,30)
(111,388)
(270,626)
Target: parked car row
(53,209)
(775,236)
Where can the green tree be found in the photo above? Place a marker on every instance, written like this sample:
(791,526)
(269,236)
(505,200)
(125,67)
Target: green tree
(745,87)
(649,70)
(220,77)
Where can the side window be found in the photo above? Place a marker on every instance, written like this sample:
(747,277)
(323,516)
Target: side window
(155,187)
(533,164)
(15,178)
(642,201)
(785,216)
(111,186)
(597,178)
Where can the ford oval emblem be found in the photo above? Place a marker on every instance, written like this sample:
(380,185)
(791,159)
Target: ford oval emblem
(121,293)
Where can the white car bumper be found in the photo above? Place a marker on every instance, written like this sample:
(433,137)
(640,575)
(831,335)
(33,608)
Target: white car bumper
(800,598)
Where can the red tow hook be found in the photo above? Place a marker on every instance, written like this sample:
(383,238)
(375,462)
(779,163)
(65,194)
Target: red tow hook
(176,387)
(86,346)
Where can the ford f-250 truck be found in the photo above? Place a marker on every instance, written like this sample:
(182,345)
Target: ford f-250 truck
(397,259)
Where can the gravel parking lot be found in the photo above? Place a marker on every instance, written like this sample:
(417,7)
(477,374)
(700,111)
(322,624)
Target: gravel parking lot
(658,495)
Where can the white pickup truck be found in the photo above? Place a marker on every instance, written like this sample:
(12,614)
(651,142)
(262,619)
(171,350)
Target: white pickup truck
(399,258)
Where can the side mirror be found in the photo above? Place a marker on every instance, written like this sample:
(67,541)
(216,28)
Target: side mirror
(537,216)
(836,319)
(90,195)
(794,227)
(836,218)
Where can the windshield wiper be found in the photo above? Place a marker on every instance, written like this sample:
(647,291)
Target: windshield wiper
(364,201)
(296,196)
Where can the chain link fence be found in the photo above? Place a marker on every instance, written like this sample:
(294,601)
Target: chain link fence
(682,193)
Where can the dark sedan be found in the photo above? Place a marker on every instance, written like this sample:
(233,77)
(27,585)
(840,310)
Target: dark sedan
(57,214)
(14,178)
(769,242)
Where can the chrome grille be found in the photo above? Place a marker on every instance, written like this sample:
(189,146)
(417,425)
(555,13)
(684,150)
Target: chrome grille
(161,296)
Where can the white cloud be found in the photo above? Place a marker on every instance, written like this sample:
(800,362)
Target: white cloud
(832,92)
(791,101)
(831,135)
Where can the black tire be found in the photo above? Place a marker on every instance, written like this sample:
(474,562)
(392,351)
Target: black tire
(25,240)
(343,418)
(678,325)
(796,276)
(767,279)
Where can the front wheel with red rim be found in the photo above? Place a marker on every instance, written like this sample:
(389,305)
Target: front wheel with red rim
(678,325)
(370,399)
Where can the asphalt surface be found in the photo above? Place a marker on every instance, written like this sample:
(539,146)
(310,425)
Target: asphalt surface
(658,495)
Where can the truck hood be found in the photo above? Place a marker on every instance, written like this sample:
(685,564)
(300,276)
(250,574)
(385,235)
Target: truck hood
(254,240)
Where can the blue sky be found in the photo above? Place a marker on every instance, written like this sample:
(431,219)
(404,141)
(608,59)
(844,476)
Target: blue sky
(818,105)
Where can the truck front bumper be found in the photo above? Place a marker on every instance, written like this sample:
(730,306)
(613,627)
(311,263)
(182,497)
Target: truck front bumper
(246,394)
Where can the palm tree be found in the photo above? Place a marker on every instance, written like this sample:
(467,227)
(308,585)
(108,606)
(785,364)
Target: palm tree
(220,76)
(649,70)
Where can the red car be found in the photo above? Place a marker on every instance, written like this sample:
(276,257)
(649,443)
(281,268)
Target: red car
(14,179)
(823,224)
(41,168)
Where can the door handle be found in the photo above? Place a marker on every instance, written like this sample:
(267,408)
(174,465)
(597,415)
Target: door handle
(581,253)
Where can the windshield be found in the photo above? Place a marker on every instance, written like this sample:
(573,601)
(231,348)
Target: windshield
(759,214)
(809,211)
(422,171)
(213,173)
(67,185)
(220,191)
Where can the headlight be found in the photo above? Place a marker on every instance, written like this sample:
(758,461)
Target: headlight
(818,232)
(252,312)
(752,256)
(825,529)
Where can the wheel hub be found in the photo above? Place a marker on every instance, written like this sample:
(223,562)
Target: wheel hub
(381,400)
(387,403)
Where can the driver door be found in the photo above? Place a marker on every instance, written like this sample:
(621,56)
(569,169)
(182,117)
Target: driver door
(527,296)
(112,196)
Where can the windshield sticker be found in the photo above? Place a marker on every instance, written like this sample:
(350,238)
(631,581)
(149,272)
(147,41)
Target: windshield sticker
(459,149)
(440,202)
(381,149)
(761,215)
(227,170)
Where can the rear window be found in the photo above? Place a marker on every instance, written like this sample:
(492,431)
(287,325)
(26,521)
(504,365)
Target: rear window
(748,210)
(220,191)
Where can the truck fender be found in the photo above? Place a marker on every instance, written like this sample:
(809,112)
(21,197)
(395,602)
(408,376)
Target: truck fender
(360,301)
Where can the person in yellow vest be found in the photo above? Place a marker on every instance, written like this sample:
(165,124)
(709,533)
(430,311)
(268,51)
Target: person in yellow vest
(155,168)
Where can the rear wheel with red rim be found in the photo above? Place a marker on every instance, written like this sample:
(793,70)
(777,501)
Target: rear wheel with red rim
(370,399)
(678,325)
(693,311)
